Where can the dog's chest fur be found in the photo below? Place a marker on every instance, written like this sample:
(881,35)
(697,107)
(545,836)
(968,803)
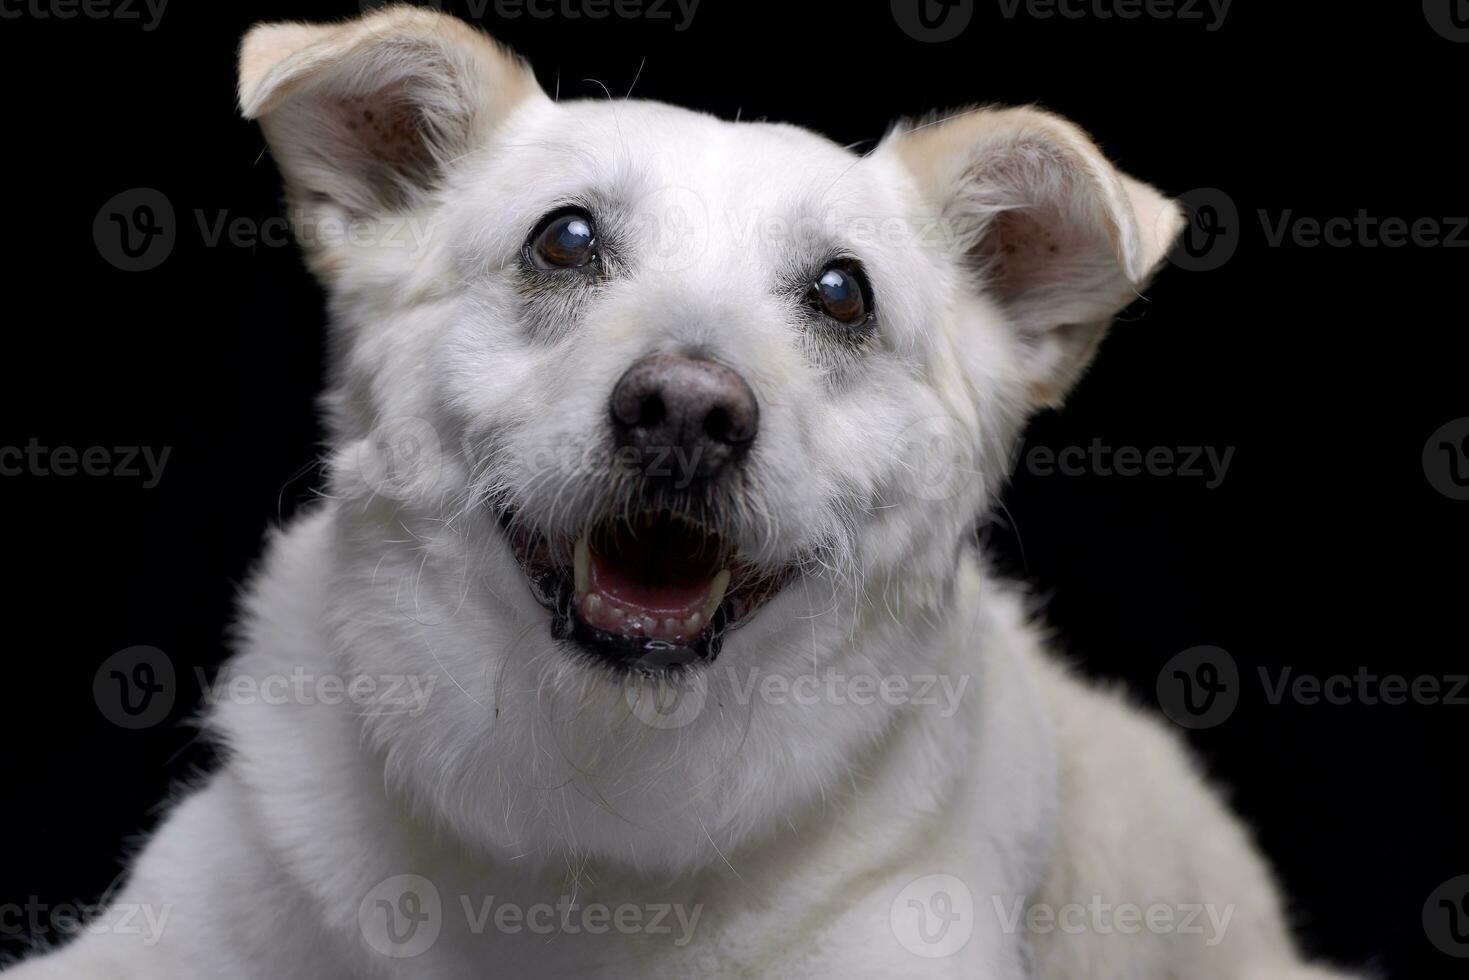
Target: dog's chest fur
(787,905)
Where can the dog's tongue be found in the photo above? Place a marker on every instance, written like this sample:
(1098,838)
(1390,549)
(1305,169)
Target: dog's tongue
(640,592)
(676,598)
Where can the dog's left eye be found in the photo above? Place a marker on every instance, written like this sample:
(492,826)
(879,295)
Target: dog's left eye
(842,293)
(564,239)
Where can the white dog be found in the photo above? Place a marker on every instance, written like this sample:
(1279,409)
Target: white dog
(643,631)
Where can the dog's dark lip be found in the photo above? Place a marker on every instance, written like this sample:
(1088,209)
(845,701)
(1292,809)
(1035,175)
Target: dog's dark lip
(549,567)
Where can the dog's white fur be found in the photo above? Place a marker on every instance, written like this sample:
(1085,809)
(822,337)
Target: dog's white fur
(527,775)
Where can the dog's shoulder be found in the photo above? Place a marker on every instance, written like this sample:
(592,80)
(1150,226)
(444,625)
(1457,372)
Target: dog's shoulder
(1149,864)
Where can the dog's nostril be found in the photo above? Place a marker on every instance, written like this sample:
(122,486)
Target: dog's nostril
(637,403)
(652,411)
(720,426)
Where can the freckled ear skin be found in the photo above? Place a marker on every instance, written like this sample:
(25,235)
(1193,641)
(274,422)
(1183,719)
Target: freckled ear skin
(363,116)
(1053,232)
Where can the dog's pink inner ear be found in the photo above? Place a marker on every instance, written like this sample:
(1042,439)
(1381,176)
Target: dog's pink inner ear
(1055,236)
(390,129)
(1021,247)
(364,116)
(387,137)
(1043,226)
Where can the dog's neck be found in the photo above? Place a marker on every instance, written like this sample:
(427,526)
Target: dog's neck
(927,776)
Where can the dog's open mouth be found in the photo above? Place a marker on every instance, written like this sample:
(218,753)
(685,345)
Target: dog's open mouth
(653,592)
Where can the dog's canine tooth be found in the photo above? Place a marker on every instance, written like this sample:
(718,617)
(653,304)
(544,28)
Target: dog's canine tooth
(583,565)
(716,593)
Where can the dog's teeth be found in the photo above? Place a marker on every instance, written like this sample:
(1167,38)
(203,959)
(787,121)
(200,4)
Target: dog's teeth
(616,613)
(716,593)
(692,624)
(583,565)
(593,604)
(671,626)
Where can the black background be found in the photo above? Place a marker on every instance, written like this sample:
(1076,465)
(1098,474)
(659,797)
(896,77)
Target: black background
(1326,548)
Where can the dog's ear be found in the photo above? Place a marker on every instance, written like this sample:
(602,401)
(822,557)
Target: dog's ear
(1054,233)
(363,116)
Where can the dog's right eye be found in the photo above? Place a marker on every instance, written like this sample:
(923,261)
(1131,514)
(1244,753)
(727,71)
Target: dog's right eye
(564,239)
(842,293)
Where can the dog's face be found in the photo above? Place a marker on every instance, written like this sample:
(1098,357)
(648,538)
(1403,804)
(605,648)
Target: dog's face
(629,402)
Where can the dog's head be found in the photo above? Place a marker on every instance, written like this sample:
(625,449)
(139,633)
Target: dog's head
(627,399)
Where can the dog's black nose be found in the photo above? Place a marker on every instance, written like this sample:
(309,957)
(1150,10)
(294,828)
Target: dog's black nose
(686,417)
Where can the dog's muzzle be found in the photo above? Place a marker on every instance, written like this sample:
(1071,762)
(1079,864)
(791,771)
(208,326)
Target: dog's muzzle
(656,584)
